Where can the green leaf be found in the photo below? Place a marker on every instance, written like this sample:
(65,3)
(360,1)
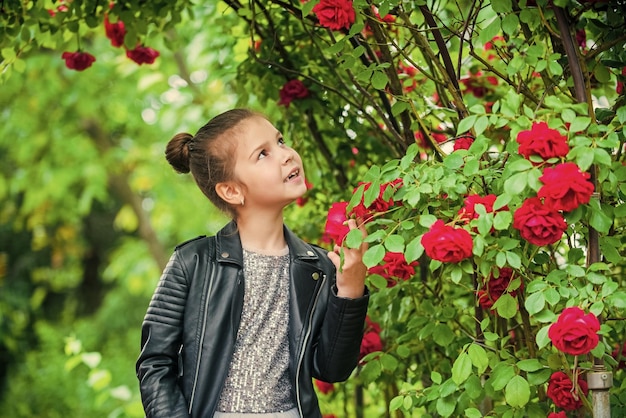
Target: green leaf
(354,238)
(462,368)
(501,374)
(517,392)
(580,123)
(502,6)
(443,335)
(395,243)
(621,115)
(516,184)
(456,274)
(529,365)
(427,220)
(617,300)
(380,80)
(542,337)
(490,31)
(535,303)
(600,221)
(396,403)
(374,255)
(446,406)
(510,24)
(473,413)
(479,357)
(435,377)
(466,124)
(502,220)
(377,281)
(506,306)
(481,124)
(513,259)
(602,157)
(388,362)
(414,250)
(520,164)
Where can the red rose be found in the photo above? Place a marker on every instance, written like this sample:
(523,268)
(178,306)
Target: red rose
(380,204)
(78,60)
(539,224)
(560,414)
(496,287)
(575,332)
(464,142)
(114,31)
(324,387)
(542,141)
(142,55)
(565,187)
(468,212)
(560,390)
(370,343)
(336,229)
(335,14)
(395,267)
(291,90)
(447,244)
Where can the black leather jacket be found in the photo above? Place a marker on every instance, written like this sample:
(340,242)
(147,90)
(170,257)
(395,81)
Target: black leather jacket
(189,330)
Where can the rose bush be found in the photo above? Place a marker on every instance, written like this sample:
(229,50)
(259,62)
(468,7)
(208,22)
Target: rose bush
(455,102)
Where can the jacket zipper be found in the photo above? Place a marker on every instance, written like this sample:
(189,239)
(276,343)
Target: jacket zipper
(204,323)
(304,342)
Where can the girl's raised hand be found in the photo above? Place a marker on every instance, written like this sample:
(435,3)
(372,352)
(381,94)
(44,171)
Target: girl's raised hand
(350,274)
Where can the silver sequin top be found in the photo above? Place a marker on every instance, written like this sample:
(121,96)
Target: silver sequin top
(258,379)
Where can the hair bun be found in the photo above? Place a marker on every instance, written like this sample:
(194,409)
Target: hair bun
(177,152)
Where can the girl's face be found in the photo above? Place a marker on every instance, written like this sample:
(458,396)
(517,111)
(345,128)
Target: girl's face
(270,171)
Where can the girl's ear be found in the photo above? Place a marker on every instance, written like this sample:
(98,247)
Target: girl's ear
(230,192)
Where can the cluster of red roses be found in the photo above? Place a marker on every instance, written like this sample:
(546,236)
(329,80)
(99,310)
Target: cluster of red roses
(116,32)
(395,266)
(565,187)
(574,333)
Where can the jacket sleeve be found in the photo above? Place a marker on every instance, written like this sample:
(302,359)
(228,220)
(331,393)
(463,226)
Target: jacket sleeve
(161,340)
(340,337)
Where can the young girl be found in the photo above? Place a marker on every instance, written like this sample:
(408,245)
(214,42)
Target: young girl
(242,321)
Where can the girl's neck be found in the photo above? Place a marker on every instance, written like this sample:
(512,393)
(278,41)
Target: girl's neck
(262,234)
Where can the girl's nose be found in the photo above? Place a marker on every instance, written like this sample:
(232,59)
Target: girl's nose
(288,155)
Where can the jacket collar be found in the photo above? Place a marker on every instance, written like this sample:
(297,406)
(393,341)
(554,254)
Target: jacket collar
(229,245)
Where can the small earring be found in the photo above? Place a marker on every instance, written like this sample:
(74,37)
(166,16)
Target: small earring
(242,201)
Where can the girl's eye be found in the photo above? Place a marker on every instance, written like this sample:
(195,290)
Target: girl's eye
(262,154)
(281,141)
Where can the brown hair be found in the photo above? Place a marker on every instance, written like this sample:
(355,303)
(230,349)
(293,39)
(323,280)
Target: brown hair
(209,155)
